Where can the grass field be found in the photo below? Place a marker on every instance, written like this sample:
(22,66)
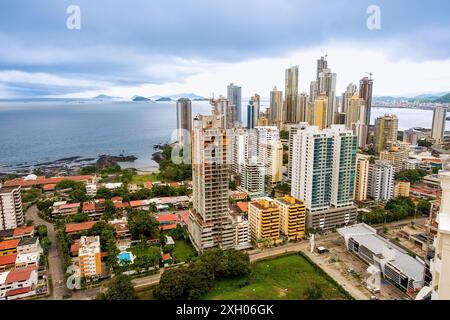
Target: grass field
(183,250)
(287,277)
(141,178)
(140,251)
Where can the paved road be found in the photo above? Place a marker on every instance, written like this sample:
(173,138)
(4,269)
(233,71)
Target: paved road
(55,259)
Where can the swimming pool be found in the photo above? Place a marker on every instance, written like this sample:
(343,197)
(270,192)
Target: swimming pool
(126,256)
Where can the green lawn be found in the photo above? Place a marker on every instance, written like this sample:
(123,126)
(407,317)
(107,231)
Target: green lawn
(287,277)
(140,251)
(141,178)
(183,250)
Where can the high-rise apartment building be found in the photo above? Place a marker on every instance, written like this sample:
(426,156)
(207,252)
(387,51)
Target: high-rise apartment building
(320,110)
(386,130)
(244,147)
(381,180)
(253,178)
(209,222)
(438,128)
(440,264)
(365,92)
(291,94)
(234,98)
(396,155)
(323,174)
(292,217)
(347,95)
(11,211)
(401,189)
(184,120)
(270,152)
(303,106)
(264,218)
(362,177)
(360,130)
(355,111)
(89,257)
(276,107)
(253,110)
(327,85)
(292,132)
(225,111)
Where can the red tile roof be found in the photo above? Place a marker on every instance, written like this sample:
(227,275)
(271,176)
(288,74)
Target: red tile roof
(16,292)
(8,259)
(49,187)
(243,206)
(9,244)
(136,203)
(69,205)
(166,256)
(185,217)
(23,230)
(121,205)
(174,184)
(167,227)
(116,199)
(169,217)
(19,275)
(42,181)
(241,195)
(88,206)
(78,227)
(148,184)
(75,247)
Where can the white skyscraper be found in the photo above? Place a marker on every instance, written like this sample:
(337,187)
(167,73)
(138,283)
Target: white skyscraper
(323,174)
(438,128)
(381,180)
(11,211)
(252,178)
(244,147)
(270,151)
(440,265)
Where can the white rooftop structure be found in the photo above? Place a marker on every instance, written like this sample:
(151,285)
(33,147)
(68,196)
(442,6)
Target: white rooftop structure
(394,262)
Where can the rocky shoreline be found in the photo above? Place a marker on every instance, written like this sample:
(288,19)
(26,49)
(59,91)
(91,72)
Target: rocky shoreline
(65,166)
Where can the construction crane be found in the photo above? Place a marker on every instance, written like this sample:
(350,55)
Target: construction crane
(325,54)
(370,74)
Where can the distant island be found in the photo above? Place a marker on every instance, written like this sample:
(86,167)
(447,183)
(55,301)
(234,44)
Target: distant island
(104,97)
(443,99)
(139,99)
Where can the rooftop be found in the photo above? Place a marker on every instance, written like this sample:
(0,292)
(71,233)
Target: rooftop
(368,237)
(9,244)
(78,227)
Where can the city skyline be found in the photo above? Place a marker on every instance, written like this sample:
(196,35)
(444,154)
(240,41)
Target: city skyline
(151,56)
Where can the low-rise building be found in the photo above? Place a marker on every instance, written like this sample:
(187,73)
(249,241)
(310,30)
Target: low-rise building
(264,218)
(242,236)
(292,217)
(9,247)
(401,189)
(17,284)
(74,228)
(65,209)
(394,263)
(91,189)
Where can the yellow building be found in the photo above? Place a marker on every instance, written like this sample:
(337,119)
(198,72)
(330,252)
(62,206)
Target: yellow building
(320,111)
(89,257)
(292,217)
(263,121)
(401,189)
(396,155)
(386,130)
(361,177)
(264,218)
(355,111)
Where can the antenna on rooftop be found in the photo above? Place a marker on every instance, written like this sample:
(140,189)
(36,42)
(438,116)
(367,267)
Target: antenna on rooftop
(370,74)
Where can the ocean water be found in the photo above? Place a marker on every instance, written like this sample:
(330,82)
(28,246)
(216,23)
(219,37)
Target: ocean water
(37,132)
(32,133)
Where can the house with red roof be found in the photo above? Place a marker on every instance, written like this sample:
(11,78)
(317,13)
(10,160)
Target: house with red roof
(9,246)
(33,181)
(8,262)
(23,232)
(17,284)
(73,228)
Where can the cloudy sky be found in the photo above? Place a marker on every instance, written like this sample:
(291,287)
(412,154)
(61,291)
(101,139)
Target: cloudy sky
(160,47)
